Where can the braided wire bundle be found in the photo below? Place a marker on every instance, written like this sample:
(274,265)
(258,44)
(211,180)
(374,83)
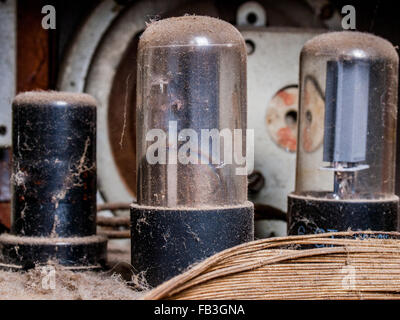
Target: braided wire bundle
(353,265)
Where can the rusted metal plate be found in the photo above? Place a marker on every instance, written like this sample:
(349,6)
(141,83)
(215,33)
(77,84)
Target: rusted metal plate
(33,53)
(5,210)
(282,118)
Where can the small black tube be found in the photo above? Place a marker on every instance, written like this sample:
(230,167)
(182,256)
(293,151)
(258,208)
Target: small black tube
(53,182)
(54,166)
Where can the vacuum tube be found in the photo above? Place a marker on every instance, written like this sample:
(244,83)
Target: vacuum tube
(191,145)
(347,136)
(53,183)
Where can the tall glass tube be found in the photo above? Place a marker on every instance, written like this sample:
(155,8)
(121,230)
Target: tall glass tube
(191,145)
(191,82)
(347,132)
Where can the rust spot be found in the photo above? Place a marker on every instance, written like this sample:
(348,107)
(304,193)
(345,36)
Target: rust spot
(281,118)
(287,139)
(287,97)
(5,212)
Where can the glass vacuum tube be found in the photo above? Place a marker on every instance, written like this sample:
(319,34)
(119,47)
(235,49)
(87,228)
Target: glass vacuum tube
(191,78)
(347,135)
(191,145)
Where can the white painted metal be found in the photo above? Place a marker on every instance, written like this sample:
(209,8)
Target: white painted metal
(251,8)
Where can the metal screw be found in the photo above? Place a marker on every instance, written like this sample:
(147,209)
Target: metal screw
(256,182)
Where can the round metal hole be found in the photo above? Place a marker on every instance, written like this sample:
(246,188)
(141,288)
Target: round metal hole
(252,18)
(291,118)
(3,130)
(251,46)
(308,116)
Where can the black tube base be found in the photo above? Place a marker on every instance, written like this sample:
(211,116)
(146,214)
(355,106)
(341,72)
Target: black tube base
(166,241)
(308,215)
(79,253)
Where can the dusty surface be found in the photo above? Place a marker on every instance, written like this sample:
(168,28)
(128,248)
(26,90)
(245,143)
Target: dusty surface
(9,238)
(117,283)
(181,30)
(49,97)
(344,44)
